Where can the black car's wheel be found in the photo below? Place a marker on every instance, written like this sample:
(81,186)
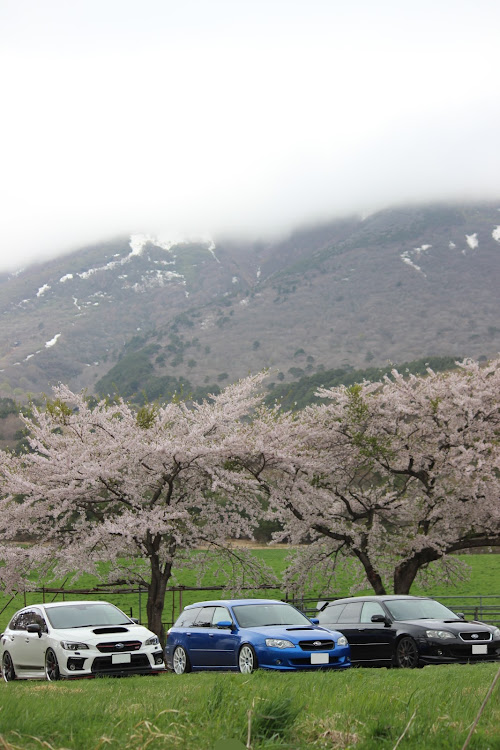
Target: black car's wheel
(181,661)
(406,654)
(247,659)
(52,672)
(8,671)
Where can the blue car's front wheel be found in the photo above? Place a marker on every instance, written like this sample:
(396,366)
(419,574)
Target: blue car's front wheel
(247,659)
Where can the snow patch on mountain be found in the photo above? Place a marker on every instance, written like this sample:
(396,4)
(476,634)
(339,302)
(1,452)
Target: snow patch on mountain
(472,240)
(42,290)
(496,233)
(53,341)
(410,256)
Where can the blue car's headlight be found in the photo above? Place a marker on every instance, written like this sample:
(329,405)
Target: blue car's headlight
(73,646)
(152,641)
(279,643)
(439,634)
(342,641)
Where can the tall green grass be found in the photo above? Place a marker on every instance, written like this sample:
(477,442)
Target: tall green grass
(361,708)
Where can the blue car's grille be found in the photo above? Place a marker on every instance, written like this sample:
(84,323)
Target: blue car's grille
(317,645)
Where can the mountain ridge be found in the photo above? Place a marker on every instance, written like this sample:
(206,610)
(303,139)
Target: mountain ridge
(401,284)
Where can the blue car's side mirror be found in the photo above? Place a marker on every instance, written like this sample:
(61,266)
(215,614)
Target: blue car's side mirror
(225,624)
(314,620)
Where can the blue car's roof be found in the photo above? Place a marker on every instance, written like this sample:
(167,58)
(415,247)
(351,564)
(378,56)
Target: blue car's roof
(231,602)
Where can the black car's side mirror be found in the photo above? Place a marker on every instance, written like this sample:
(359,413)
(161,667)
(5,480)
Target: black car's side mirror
(34,627)
(381,618)
(225,624)
(461,615)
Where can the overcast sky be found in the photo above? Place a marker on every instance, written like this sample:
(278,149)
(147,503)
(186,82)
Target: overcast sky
(188,118)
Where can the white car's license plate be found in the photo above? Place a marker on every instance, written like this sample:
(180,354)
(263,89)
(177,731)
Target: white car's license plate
(121,658)
(319,658)
(478,649)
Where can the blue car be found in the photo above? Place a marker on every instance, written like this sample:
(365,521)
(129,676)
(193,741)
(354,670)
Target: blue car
(244,634)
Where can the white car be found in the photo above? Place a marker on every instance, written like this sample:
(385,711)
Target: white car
(77,639)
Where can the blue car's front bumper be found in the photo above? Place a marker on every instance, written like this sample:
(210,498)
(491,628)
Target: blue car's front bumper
(297,659)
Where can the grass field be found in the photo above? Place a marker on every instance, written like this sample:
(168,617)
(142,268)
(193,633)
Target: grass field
(360,708)
(484,580)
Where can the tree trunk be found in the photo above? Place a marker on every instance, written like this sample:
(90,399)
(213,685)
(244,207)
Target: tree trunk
(373,577)
(406,571)
(156,600)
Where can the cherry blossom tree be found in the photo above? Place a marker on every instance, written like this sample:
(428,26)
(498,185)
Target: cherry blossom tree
(142,488)
(394,475)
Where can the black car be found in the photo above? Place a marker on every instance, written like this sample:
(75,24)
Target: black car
(408,631)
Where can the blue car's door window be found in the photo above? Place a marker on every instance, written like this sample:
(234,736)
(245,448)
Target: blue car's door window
(187,618)
(204,619)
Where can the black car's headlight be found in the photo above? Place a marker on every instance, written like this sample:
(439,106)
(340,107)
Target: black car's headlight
(279,643)
(439,634)
(153,641)
(496,633)
(342,641)
(73,646)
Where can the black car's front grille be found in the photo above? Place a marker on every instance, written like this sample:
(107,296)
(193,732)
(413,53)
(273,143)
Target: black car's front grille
(317,645)
(477,635)
(104,664)
(118,647)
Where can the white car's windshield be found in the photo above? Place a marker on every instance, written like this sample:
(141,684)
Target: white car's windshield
(258,615)
(419,609)
(86,615)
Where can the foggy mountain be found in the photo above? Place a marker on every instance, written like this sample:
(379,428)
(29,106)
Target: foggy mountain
(140,315)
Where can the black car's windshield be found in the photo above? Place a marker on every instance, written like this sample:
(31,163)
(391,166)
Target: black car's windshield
(419,609)
(258,615)
(86,615)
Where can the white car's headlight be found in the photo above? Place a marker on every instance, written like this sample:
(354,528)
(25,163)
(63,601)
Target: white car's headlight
(153,641)
(439,634)
(278,643)
(73,646)
(342,641)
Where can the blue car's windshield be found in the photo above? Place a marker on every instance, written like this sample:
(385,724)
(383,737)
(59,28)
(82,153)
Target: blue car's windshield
(86,615)
(419,609)
(258,615)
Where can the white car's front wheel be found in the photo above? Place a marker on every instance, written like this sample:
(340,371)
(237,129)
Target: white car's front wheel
(52,672)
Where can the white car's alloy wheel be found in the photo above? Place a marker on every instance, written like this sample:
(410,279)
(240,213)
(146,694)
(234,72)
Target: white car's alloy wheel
(51,666)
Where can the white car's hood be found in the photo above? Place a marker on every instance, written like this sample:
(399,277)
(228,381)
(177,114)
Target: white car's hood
(103,634)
